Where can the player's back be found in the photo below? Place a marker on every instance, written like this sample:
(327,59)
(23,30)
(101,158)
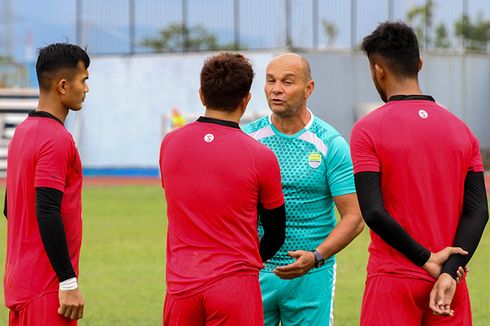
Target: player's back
(209,173)
(424,154)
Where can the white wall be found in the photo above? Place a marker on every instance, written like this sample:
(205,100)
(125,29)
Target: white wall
(121,123)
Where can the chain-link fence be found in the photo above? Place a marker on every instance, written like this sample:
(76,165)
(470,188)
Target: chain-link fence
(137,26)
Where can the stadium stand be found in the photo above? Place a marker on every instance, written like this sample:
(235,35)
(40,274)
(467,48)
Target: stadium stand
(15,103)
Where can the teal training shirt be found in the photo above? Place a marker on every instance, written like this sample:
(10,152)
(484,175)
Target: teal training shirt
(315,167)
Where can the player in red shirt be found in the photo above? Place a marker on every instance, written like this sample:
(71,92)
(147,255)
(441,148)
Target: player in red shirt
(419,178)
(216,179)
(43,198)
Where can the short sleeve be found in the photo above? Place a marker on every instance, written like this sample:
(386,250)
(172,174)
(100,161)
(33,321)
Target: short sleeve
(363,151)
(52,162)
(269,176)
(476,163)
(340,176)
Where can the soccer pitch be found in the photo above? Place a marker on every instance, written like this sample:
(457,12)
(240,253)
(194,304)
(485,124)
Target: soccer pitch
(123,255)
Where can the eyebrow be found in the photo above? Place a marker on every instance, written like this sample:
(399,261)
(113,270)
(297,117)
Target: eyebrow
(284,77)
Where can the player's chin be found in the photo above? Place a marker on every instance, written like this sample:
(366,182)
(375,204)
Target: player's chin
(77,107)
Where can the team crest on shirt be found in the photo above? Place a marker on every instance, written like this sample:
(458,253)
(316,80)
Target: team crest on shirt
(314,159)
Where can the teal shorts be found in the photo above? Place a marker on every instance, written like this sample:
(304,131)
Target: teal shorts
(306,300)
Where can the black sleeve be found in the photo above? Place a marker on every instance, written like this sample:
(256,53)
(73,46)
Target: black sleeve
(274,224)
(368,185)
(48,211)
(5,205)
(472,223)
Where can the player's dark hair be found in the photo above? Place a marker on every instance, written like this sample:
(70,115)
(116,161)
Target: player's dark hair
(226,79)
(56,57)
(396,44)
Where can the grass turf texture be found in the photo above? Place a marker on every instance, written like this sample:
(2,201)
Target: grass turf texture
(122,262)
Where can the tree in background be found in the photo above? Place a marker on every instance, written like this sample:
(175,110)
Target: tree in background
(330,30)
(179,38)
(421,18)
(475,33)
(442,37)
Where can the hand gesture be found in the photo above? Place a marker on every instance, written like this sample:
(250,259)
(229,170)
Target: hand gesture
(71,304)
(434,265)
(442,295)
(305,260)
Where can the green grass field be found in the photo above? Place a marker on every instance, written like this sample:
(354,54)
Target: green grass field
(123,255)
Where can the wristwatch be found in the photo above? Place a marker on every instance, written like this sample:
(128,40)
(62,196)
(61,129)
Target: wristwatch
(319,260)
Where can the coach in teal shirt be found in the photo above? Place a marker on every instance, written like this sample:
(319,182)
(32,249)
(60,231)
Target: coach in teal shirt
(298,283)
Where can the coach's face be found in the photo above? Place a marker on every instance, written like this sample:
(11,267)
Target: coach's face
(286,88)
(76,87)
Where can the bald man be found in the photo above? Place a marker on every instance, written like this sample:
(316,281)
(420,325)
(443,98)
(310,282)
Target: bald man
(298,282)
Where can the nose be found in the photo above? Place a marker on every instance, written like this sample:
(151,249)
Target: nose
(276,89)
(86,88)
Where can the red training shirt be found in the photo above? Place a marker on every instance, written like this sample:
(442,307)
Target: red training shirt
(214,177)
(423,153)
(42,153)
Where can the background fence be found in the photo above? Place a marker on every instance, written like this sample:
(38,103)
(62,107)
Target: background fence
(131,26)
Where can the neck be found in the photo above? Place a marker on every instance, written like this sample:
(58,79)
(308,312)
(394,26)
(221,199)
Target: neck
(52,105)
(223,115)
(290,125)
(404,87)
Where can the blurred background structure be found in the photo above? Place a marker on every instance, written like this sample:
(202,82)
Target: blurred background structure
(147,55)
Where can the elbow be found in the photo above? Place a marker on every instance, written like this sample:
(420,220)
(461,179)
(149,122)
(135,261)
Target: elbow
(371,217)
(485,215)
(360,226)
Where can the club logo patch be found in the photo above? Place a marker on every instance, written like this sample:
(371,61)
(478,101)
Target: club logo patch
(314,159)
(208,138)
(423,114)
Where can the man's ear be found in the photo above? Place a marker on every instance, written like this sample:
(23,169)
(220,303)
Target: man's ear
(201,96)
(62,86)
(310,86)
(379,71)
(421,63)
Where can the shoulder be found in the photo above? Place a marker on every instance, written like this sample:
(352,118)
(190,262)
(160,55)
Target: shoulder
(325,132)
(256,125)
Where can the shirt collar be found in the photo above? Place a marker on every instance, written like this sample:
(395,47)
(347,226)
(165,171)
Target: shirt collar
(411,97)
(220,122)
(43,114)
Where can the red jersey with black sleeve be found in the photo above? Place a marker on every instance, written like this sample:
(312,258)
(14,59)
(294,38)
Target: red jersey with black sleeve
(423,154)
(42,154)
(214,177)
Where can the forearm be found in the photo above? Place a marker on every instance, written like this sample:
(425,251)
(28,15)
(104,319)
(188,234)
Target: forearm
(274,225)
(349,227)
(473,220)
(48,212)
(368,185)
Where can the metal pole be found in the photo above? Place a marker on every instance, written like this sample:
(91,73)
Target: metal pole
(315,24)
(391,10)
(464,24)
(184,26)
(427,22)
(353,23)
(288,24)
(78,24)
(132,39)
(236,11)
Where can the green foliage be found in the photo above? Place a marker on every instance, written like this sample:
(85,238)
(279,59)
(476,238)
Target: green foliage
(180,38)
(476,33)
(421,17)
(442,37)
(330,30)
